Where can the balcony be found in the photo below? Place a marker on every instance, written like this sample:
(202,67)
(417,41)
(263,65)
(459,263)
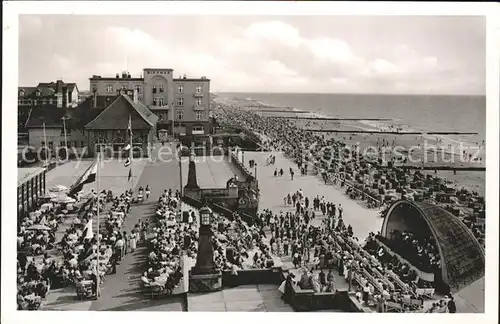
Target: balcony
(198,94)
(198,107)
(156,108)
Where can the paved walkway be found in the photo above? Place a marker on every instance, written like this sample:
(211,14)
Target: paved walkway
(251,298)
(121,291)
(211,171)
(273,189)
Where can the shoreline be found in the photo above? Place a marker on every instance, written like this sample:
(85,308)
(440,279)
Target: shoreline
(441,149)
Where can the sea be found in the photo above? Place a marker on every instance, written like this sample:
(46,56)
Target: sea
(425,113)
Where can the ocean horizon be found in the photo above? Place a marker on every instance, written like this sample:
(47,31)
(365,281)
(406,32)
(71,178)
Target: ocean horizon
(454,113)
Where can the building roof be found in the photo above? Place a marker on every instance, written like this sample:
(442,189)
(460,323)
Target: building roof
(462,257)
(191,79)
(25,174)
(145,113)
(102,122)
(100,78)
(48,114)
(47,89)
(78,117)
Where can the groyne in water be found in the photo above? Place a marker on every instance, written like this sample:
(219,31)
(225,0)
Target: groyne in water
(385,132)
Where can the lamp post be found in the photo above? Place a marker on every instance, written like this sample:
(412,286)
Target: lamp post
(173,120)
(205,257)
(179,157)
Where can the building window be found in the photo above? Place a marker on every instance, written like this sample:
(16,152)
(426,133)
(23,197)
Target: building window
(38,93)
(109,88)
(198,128)
(199,89)
(51,145)
(82,143)
(180,89)
(138,88)
(61,144)
(199,115)
(180,101)
(154,89)
(154,101)
(160,88)
(160,101)
(180,114)
(198,101)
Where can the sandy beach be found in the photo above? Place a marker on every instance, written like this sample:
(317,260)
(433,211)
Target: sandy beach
(433,150)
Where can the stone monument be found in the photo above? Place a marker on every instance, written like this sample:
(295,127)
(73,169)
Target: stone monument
(191,188)
(204,277)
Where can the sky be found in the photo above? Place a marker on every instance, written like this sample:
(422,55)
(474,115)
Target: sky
(310,54)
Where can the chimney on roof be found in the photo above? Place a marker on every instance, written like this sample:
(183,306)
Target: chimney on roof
(94,99)
(117,75)
(64,96)
(59,86)
(135,96)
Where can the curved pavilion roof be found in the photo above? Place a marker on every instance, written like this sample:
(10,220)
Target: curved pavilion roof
(462,257)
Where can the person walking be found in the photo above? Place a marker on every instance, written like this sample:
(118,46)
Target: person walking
(133,241)
(452,307)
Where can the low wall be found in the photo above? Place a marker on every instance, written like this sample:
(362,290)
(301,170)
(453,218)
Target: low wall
(217,208)
(301,300)
(252,277)
(235,159)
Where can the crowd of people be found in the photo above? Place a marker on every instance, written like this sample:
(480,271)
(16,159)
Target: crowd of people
(421,251)
(44,263)
(368,178)
(316,249)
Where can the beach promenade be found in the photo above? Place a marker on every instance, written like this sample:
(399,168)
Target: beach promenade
(273,189)
(121,291)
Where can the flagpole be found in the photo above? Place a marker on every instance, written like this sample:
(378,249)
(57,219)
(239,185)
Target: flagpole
(44,141)
(131,152)
(98,214)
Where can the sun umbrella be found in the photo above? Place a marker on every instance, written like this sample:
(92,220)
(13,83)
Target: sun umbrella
(48,195)
(38,227)
(59,188)
(63,200)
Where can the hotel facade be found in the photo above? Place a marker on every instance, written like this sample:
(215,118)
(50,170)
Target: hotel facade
(156,102)
(182,103)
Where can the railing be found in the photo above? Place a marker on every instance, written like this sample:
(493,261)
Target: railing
(217,208)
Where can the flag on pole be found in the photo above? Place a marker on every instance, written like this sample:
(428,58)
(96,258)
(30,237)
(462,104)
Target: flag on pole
(88,232)
(129,174)
(129,134)
(128,162)
(88,176)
